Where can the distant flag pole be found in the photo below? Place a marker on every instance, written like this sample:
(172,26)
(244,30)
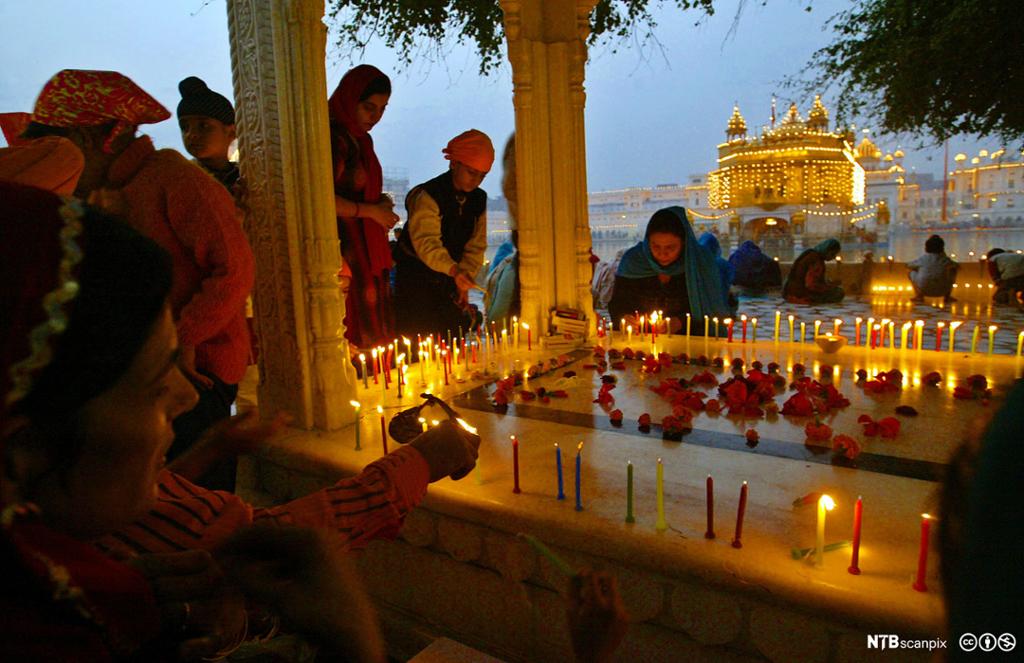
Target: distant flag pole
(945,179)
(773,111)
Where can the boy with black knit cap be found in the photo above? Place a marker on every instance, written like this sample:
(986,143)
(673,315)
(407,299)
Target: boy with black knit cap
(207,121)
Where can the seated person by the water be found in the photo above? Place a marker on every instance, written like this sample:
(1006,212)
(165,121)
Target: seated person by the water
(725,270)
(934,273)
(1007,272)
(442,245)
(806,283)
(754,271)
(669,272)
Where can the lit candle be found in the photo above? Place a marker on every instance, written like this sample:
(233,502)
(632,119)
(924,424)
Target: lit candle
(791,337)
(629,333)
(358,408)
(974,337)
(408,348)
(892,334)
(825,503)
(709,485)
(858,510)
(629,493)
(705,327)
(687,325)
(622,327)
(515,329)
(1020,342)
(728,322)
(922,554)
(579,472)
(383,430)
(904,330)
(753,330)
(423,424)
(659,487)
(444,364)
(938,335)
(836,324)
(991,337)
(668,326)
(362,361)
(778,316)
(529,336)
(953,326)
(405,378)
(736,543)
(373,354)
(743,321)
(803,331)
(817,328)
(870,341)
(856,330)
(643,325)
(558,469)
(504,340)
(715,320)
(918,334)
(515,464)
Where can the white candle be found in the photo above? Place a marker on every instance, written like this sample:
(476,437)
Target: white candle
(825,504)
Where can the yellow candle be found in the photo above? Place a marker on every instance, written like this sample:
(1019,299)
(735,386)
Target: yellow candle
(803,330)
(825,504)
(629,333)
(687,325)
(892,334)
(705,327)
(778,316)
(423,424)
(753,329)
(791,337)
(904,330)
(817,328)
(974,338)
(661,525)
(871,329)
(1020,342)
(991,337)
(953,326)
(919,331)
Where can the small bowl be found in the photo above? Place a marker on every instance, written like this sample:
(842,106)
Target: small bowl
(830,343)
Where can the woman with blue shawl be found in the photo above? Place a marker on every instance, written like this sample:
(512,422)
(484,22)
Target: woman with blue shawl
(806,283)
(754,271)
(725,270)
(669,272)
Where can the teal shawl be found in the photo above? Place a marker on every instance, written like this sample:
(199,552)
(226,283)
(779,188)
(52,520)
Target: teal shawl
(703,283)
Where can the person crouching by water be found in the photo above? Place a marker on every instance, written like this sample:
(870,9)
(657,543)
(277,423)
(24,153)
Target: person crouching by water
(934,273)
(668,272)
(806,283)
(442,245)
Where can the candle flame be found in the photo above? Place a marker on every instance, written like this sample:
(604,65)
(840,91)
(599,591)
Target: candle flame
(354,404)
(579,447)
(926,516)
(512,437)
(380,410)
(525,326)
(435,422)
(955,324)
(743,317)
(362,357)
(374,353)
(791,318)
(992,328)
(858,320)
(465,424)
(827,502)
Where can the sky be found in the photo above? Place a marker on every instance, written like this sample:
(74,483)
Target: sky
(654,115)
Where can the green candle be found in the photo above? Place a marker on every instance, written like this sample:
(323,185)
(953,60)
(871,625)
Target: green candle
(629,493)
(991,337)
(661,525)
(974,338)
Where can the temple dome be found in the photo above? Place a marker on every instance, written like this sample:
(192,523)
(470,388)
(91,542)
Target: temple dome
(868,150)
(818,116)
(792,117)
(737,127)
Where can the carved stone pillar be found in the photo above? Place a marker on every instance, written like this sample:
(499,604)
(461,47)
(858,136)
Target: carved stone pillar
(277,58)
(547,49)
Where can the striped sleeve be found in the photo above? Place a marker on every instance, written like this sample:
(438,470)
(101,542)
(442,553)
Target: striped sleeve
(371,505)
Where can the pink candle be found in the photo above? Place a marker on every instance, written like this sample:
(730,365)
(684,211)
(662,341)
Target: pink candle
(858,510)
(922,554)
(515,465)
(739,517)
(710,533)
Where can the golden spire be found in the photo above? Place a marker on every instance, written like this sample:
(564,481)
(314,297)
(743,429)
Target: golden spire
(793,116)
(868,150)
(818,117)
(737,127)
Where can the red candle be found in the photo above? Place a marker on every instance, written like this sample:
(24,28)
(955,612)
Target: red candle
(856,340)
(728,338)
(515,465)
(444,363)
(383,430)
(739,517)
(710,533)
(938,335)
(858,509)
(744,321)
(922,554)
(529,339)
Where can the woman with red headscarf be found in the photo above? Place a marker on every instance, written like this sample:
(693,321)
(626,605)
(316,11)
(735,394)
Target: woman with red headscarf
(365,215)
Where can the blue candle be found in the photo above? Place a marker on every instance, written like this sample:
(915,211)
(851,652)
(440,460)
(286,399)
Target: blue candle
(579,497)
(558,464)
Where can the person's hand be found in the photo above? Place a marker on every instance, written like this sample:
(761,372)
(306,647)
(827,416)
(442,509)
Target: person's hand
(380,212)
(303,576)
(449,449)
(187,364)
(463,281)
(597,619)
(195,603)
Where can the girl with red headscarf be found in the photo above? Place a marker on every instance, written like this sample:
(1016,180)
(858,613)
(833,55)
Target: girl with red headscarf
(365,215)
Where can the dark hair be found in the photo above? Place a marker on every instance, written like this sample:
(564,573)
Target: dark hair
(994,252)
(665,221)
(124,280)
(37,130)
(934,244)
(379,85)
